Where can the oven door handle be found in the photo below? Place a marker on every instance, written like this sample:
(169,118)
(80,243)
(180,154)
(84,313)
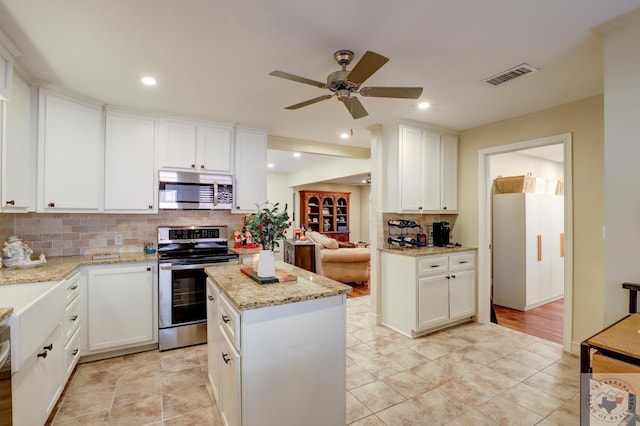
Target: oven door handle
(170,267)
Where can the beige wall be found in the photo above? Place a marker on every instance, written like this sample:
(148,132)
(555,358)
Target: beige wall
(585,121)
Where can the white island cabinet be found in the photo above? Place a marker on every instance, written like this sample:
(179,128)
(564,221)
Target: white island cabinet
(429,292)
(277,351)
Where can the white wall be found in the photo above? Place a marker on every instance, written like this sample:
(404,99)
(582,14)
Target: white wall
(621,154)
(516,164)
(278,191)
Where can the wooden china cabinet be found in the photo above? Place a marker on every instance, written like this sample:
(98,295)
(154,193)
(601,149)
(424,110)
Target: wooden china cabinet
(326,212)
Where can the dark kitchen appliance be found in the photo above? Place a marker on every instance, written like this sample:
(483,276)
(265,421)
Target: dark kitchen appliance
(441,232)
(183,253)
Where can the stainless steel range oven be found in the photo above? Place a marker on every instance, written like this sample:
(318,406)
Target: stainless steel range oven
(183,253)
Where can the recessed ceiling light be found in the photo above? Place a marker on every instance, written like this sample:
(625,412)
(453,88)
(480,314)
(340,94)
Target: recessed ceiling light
(424,105)
(364,181)
(270,165)
(148,81)
(296,154)
(344,135)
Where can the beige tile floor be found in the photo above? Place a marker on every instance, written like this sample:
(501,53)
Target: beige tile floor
(469,375)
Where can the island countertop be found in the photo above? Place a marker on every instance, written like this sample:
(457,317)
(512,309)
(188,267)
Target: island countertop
(426,251)
(5,313)
(247,294)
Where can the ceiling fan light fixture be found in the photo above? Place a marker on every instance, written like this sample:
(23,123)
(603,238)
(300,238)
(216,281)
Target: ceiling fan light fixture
(343,94)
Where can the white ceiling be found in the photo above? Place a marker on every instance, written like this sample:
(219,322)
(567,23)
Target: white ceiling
(213,58)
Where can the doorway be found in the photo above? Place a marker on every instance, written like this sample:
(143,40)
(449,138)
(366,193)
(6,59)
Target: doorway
(488,160)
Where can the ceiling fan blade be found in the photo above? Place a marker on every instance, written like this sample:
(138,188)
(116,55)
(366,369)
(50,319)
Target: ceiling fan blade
(297,78)
(366,66)
(392,92)
(309,102)
(355,107)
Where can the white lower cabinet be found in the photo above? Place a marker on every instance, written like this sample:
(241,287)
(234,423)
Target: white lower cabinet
(121,306)
(37,385)
(422,294)
(279,365)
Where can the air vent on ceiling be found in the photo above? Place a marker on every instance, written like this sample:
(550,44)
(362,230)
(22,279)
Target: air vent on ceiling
(510,74)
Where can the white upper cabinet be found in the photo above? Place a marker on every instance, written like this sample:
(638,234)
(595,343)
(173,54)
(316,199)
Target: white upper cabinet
(251,170)
(19,153)
(6,72)
(70,155)
(214,148)
(195,146)
(422,172)
(130,182)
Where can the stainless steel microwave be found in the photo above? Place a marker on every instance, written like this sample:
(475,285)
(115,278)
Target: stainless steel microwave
(194,191)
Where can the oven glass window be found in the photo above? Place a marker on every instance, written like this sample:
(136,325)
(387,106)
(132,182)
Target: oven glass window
(188,296)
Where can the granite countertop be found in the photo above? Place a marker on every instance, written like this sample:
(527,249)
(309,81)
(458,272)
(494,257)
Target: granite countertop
(244,251)
(57,268)
(247,294)
(425,251)
(5,313)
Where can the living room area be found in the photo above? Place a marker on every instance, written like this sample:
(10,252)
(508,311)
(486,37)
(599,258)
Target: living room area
(327,196)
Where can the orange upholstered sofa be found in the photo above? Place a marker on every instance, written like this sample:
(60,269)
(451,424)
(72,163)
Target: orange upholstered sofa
(344,264)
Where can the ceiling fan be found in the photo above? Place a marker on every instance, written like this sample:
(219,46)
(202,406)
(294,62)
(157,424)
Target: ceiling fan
(344,83)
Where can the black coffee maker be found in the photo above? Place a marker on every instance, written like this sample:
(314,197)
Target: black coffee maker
(441,231)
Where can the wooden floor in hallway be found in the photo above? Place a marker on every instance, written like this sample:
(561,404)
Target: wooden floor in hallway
(546,321)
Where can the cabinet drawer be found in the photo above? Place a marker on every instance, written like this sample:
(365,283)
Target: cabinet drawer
(230,321)
(71,318)
(459,262)
(73,287)
(432,265)
(72,353)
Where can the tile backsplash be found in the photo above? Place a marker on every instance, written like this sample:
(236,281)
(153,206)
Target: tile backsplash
(70,234)
(422,219)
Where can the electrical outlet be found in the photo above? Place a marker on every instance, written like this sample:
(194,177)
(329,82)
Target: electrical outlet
(117,239)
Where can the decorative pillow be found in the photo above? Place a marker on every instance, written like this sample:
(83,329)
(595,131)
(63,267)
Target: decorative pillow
(323,240)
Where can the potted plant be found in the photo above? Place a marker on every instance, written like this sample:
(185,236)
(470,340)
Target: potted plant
(267,226)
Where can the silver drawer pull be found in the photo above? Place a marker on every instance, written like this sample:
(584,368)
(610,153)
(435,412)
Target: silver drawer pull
(226,319)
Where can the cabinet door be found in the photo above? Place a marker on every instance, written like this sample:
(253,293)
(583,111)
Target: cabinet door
(449,167)
(6,71)
(229,361)
(251,170)
(27,409)
(213,339)
(431,173)
(51,371)
(433,301)
(178,144)
(20,151)
(556,237)
(214,148)
(462,294)
(72,146)
(120,303)
(129,164)
(412,169)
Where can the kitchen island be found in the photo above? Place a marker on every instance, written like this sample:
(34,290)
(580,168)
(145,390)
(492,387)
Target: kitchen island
(277,352)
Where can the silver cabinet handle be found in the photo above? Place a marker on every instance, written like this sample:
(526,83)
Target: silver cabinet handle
(225,358)
(226,319)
